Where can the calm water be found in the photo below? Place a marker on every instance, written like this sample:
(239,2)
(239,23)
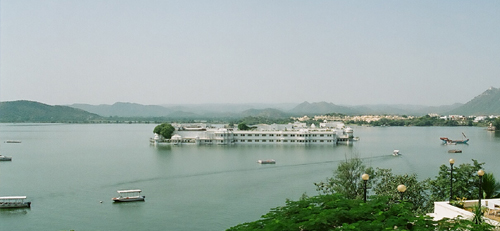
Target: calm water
(67,169)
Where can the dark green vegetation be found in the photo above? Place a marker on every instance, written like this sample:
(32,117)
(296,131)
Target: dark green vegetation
(340,206)
(29,111)
(423,121)
(336,212)
(166,130)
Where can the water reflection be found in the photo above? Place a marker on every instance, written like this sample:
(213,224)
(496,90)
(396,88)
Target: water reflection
(14,211)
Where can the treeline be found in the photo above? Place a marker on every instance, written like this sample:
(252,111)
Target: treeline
(428,121)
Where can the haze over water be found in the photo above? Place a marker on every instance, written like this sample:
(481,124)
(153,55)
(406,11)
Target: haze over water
(67,169)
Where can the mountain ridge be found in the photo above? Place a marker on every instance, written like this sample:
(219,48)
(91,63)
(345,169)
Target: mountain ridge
(486,103)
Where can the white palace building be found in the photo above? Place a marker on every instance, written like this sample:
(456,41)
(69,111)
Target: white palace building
(296,133)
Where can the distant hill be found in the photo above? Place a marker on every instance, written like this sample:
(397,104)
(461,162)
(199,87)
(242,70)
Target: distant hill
(30,111)
(268,113)
(307,108)
(125,110)
(487,103)
(227,108)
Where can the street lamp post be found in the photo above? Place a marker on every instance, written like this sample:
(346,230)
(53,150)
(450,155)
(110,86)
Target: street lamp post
(401,189)
(452,161)
(480,173)
(365,178)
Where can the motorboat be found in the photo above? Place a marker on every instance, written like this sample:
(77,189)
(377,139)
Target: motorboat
(266,161)
(5,158)
(396,153)
(454,151)
(128,196)
(14,202)
(13,141)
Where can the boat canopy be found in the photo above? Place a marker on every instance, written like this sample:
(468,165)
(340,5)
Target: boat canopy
(13,198)
(129,191)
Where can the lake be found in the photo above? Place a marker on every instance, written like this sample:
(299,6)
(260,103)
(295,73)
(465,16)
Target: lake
(66,170)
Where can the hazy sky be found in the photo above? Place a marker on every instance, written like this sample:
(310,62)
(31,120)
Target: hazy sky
(168,52)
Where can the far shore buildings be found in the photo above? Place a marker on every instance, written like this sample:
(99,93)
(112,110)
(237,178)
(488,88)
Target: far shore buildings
(296,133)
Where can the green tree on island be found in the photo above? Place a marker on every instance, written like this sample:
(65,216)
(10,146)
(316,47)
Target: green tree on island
(166,130)
(243,127)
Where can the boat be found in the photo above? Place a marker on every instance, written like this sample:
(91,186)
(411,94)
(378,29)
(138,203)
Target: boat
(128,196)
(450,141)
(12,141)
(454,151)
(266,161)
(14,202)
(5,158)
(396,153)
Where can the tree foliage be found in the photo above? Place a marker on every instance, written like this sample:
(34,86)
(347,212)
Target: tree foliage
(465,182)
(166,130)
(339,205)
(347,179)
(490,187)
(336,212)
(386,183)
(243,127)
(496,123)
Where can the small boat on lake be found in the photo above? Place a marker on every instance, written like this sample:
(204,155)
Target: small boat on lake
(266,161)
(5,158)
(396,153)
(12,141)
(450,141)
(128,196)
(454,151)
(14,202)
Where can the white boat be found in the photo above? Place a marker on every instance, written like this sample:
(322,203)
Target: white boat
(396,153)
(14,202)
(5,158)
(266,161)
(129,195)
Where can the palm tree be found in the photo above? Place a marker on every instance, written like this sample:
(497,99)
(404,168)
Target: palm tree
(491,188)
